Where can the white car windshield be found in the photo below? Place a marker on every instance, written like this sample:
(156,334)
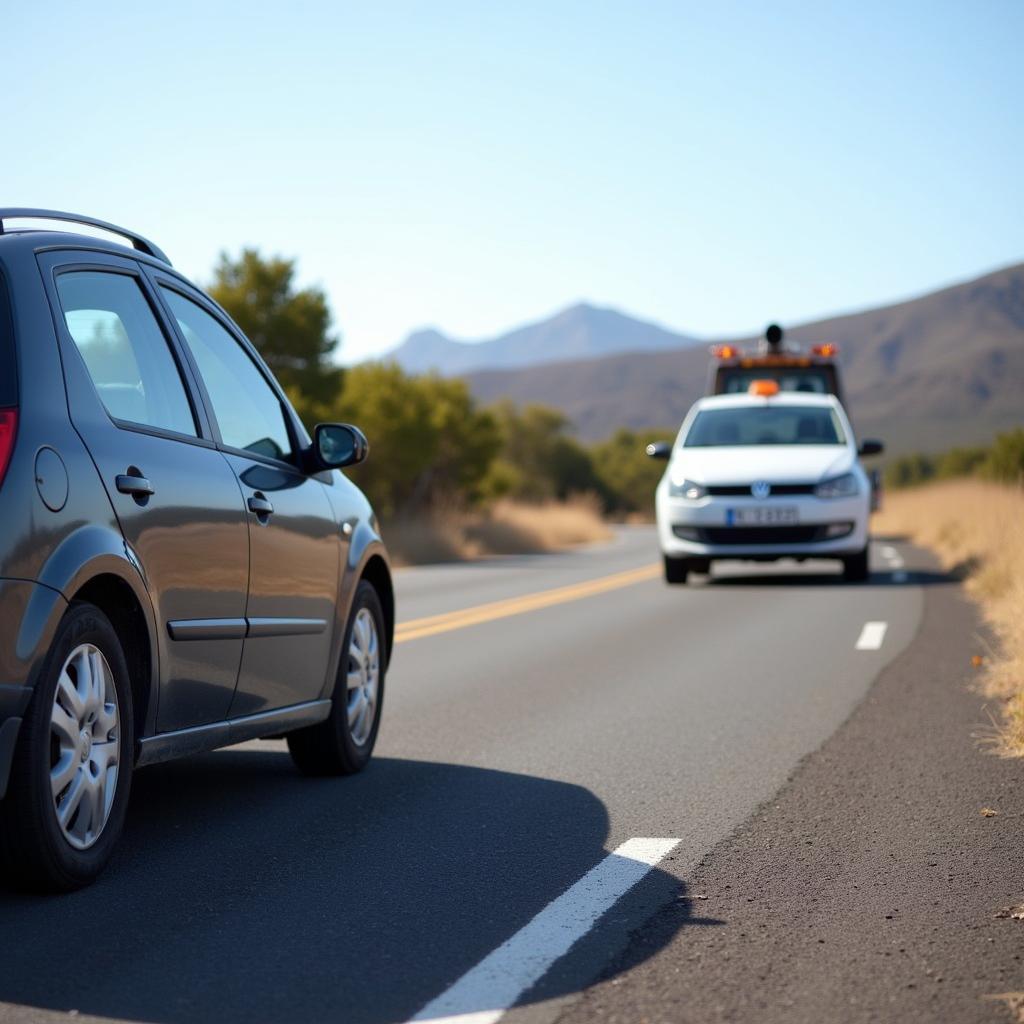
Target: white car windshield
(767,424)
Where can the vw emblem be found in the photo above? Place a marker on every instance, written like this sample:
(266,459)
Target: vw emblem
(760,490)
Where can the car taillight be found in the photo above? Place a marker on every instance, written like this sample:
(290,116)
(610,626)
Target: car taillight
(8,428)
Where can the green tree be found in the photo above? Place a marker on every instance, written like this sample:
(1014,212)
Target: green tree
(429,443)
(628,475)
(289,327)
(539,460)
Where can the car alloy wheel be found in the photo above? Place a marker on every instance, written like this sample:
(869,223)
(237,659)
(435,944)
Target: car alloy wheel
(85,744)
(363,678)
(343,743)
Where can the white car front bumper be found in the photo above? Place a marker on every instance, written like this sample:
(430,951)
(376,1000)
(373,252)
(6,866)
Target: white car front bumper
(706,528)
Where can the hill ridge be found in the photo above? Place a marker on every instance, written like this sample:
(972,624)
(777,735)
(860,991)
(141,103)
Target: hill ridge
(578,331)
(943,368)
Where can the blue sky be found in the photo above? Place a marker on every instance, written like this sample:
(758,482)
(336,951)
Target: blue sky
(473,166)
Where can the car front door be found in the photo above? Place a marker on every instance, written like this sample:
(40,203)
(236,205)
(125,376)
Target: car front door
(133,401)
(294,540)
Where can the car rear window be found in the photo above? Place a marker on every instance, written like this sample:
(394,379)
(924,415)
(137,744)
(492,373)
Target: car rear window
(8,365)
(764,425)
(124,350)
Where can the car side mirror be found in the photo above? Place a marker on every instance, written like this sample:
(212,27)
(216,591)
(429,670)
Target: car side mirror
(336,445)
(659,450)
(870,448)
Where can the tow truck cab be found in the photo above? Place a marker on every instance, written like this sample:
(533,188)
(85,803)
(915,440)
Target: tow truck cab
(734,370)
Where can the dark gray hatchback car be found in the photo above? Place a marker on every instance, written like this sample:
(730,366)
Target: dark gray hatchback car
(181,566)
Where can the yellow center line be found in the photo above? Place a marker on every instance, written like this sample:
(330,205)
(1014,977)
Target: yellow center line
(415,629)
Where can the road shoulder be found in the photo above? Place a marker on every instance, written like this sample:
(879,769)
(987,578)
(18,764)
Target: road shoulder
(868,889)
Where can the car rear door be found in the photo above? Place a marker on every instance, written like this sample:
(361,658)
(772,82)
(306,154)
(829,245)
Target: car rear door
(134,402)
(294,540)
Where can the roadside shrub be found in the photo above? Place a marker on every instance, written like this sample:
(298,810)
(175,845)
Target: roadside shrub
(628,477)
(1002,462)
(1005,460)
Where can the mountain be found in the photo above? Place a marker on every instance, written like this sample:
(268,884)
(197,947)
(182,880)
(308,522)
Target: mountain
(579,332)
(939,370)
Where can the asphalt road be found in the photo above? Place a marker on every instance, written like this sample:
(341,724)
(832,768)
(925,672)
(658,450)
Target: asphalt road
(524,739)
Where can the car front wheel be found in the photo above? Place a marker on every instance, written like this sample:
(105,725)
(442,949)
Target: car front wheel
(855,567)
(343,742)
(676,569)
(71,775)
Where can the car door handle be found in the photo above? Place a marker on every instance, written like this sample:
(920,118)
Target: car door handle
(259,505)
(137,486)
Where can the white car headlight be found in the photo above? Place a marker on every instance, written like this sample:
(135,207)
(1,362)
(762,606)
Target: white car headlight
(845,486)
(686,489)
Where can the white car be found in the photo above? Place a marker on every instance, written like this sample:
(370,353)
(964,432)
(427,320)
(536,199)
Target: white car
(762,476)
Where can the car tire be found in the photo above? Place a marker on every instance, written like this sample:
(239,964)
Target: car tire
(83,683)
(855,567)
(676,569)
(343,743)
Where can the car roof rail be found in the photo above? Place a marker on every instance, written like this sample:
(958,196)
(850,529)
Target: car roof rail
(138,242)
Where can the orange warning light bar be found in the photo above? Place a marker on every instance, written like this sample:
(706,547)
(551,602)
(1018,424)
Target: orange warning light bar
(763,388)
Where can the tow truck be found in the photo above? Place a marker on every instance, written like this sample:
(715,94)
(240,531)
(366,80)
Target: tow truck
(816,371)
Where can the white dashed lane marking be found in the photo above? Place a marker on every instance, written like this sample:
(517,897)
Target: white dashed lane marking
(894,562)
(871,636)
(485,992)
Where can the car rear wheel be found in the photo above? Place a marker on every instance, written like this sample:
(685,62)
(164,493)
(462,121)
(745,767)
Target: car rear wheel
(71,775)
(343,743)
(855,567)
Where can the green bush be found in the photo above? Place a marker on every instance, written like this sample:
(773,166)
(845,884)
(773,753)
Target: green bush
(628,475)
(430,444)
(538,460)
(909,470)
(1005,459)
(1002,461)
(960,462)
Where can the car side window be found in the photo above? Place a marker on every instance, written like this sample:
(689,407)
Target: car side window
(248,411)
(125,350)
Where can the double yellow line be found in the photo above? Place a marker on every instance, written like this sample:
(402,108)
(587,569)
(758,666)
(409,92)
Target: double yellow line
(416,629)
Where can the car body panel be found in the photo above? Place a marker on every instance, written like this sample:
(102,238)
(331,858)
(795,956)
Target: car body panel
(35,610)
(166,746)
(294,564)
(782,464)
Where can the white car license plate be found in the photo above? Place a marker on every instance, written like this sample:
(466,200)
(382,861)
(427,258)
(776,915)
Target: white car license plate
(762,516)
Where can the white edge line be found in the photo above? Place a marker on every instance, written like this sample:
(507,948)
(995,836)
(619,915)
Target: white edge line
(486,991)
(871,636)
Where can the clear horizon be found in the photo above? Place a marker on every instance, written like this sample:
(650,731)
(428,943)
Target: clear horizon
(713,335)
(710,169)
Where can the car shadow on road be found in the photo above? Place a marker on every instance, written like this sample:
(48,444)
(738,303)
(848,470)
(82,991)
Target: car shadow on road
(244,892)
(774,578)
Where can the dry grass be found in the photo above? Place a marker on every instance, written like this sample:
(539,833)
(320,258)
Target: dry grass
(507,528)
(977,529)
